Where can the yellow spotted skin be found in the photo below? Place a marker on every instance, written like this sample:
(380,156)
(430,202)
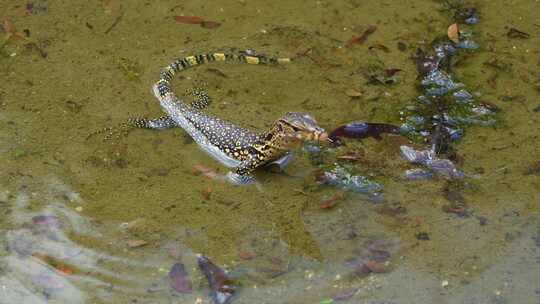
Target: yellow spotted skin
(234,146)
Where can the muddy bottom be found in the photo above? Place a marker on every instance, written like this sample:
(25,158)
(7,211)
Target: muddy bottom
(91,218)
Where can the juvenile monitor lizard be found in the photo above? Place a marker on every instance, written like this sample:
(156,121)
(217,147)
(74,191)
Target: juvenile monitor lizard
(235,147)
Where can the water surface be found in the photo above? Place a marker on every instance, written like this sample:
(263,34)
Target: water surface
(83,66)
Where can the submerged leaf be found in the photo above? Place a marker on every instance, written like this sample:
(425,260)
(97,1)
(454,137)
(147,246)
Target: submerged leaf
(189,19)
(179,279)
(221,285)
(210,24)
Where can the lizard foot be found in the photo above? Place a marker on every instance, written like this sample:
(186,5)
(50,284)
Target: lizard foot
(117,132)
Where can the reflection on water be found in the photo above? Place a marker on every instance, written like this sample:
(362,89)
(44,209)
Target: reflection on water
(44,263)
(48,261)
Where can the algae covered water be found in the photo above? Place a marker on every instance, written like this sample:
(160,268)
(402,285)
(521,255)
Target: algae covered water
(132,218)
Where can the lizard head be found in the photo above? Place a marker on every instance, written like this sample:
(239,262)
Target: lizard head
(302,126)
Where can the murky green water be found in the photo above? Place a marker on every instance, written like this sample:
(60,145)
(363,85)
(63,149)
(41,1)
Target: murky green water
(82,66)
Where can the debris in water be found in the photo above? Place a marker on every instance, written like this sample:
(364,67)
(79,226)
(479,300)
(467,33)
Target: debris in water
(429,159)
(391,72)
(206,193)
(378,46)
(532,169)
(179,279)
(517,34)
(204,171)
(221,285)
(456,208)
(453,32)
(467,15)
(353,93)
(331,201)
(344,295)
(362,38)
(188,19)
(210,24)
(342,178)
(536,240)
(49,280)
(10,31)
(47,221)
(374,258)
(112,7)
(197,20)
(422,236)
(351,156)
(57,264)
(418,174)
(136,243)
(439,116)
(246,255)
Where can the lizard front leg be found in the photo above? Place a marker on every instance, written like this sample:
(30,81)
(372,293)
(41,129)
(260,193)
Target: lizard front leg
(242,174)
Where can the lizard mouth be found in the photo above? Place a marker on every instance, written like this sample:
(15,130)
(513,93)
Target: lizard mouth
(316,135)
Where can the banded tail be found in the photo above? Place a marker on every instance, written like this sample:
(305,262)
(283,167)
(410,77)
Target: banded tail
(162,87)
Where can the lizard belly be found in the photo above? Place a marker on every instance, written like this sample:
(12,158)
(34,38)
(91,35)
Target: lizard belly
(173,109)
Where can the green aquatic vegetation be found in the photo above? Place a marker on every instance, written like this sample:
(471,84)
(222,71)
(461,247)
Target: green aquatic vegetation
(19,152)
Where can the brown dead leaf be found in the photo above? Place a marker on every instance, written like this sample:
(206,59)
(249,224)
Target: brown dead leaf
(112,7)
(246,255)
(136,243)
(517,34)
(350,157)
(379,46)
(8,26)
(206,193)
(353,93)
(453,32)
(189,19)
(332,200)
(362,38)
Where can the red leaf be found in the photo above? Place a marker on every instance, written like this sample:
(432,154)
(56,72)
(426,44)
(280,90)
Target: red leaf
(189,19)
